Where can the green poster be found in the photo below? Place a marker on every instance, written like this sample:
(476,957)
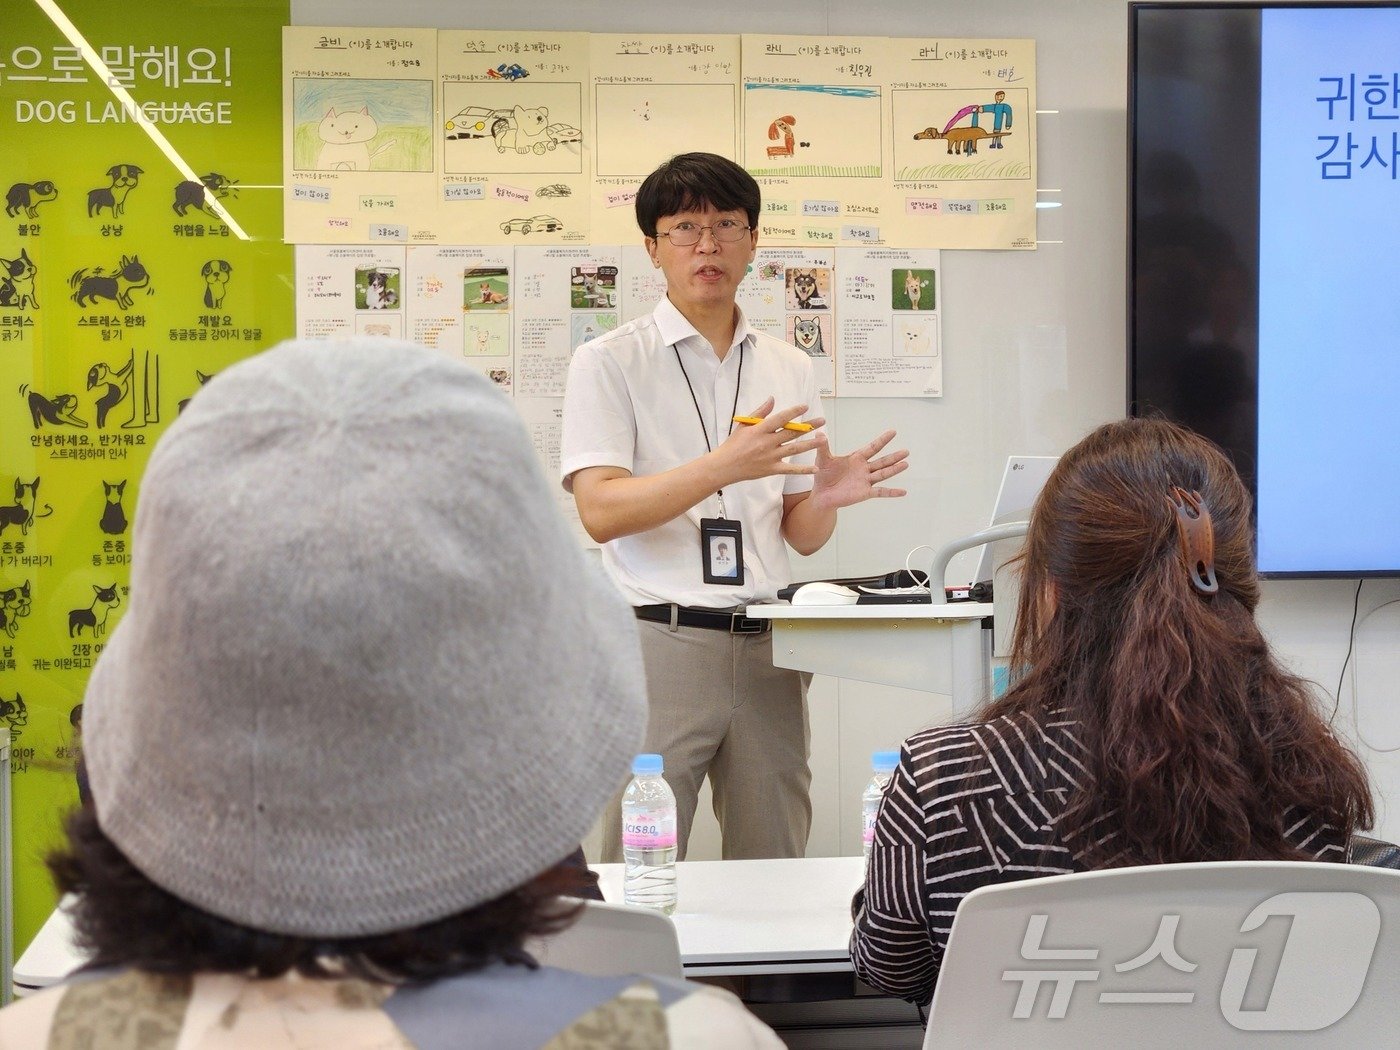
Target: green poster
(140,253)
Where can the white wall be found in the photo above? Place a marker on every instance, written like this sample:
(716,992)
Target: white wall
(1034,348)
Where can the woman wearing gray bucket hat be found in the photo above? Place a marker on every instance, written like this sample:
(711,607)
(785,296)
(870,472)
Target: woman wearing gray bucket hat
(367,693)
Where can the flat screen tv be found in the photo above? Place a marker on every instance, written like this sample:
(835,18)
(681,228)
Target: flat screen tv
(1264,262)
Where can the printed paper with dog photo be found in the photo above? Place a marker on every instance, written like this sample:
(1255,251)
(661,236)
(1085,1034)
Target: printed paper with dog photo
(337,285)
(459,301)
(783,277)
(889,325)
(544,330)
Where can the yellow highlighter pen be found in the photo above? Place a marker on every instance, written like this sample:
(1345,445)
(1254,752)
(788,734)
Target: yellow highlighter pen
(751,421)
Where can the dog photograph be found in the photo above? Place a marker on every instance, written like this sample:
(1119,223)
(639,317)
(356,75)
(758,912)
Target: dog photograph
(912,289)
(486,288)
(378,288)
(808,287)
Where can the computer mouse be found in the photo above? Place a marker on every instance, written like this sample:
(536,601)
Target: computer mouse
(822,593)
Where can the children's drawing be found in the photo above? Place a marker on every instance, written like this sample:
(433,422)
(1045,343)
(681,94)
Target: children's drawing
(513,127)
(486,335)
(960,140)
(346,138)
(915,336)
(380,326)
(360,125)
(640,125)
(810,333)
(511,71)
(586,326)
(850,116)
(532,224)
(27,196)
(782,129)
(969,126)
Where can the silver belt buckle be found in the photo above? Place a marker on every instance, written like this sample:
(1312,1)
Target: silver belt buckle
(742,623)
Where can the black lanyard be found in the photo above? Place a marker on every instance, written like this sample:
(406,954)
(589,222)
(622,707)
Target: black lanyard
(738,380)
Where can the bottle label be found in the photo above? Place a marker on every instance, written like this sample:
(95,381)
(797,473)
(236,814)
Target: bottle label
(649,829)
(867,833)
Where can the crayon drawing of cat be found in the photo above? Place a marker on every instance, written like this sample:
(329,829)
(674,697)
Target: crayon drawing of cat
(345,139)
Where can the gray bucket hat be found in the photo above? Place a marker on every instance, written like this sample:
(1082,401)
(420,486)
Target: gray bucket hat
(367,677)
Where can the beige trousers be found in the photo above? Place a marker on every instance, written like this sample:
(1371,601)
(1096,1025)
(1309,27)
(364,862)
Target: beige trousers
(718,706)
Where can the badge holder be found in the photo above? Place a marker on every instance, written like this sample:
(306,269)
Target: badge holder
(722,551)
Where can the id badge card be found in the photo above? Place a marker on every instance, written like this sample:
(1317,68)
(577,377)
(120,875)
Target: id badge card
(722,550)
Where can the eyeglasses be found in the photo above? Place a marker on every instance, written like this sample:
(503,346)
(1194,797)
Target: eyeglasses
(726,231)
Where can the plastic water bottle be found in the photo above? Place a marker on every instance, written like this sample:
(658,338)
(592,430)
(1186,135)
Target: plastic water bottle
(882,763)
(649,837)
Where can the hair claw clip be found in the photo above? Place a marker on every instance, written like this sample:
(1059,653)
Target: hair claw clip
(1197,535)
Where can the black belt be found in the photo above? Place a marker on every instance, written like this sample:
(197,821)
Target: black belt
(731,620)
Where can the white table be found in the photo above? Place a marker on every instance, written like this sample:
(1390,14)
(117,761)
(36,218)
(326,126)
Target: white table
(50,957)
(759,916)
(733,917)
(935,648)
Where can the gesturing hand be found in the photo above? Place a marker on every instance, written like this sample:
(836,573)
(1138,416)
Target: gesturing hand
(845,480)
(763,449)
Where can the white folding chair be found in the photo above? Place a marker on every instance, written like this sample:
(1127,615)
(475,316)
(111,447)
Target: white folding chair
(1181,956)
(613,940)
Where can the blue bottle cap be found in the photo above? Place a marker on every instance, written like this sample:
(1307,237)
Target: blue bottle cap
(650,765)
(884,761)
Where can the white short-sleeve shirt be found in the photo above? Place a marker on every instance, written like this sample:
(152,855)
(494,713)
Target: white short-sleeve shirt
(627,405)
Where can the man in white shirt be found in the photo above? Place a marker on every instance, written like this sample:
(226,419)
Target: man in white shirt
(661,470)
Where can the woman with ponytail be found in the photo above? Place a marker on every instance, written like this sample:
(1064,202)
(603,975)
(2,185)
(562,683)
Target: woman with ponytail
(1147,721)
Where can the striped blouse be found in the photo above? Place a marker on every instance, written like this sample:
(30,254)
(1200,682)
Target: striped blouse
(969,806)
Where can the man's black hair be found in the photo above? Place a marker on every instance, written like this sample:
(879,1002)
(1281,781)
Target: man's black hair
(690,182)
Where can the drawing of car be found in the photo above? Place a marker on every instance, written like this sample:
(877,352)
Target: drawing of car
(546,223)
(563,133)
(513,71)
(478,122)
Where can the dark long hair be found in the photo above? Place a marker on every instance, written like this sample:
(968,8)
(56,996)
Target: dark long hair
(1198,741)
(125,920)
